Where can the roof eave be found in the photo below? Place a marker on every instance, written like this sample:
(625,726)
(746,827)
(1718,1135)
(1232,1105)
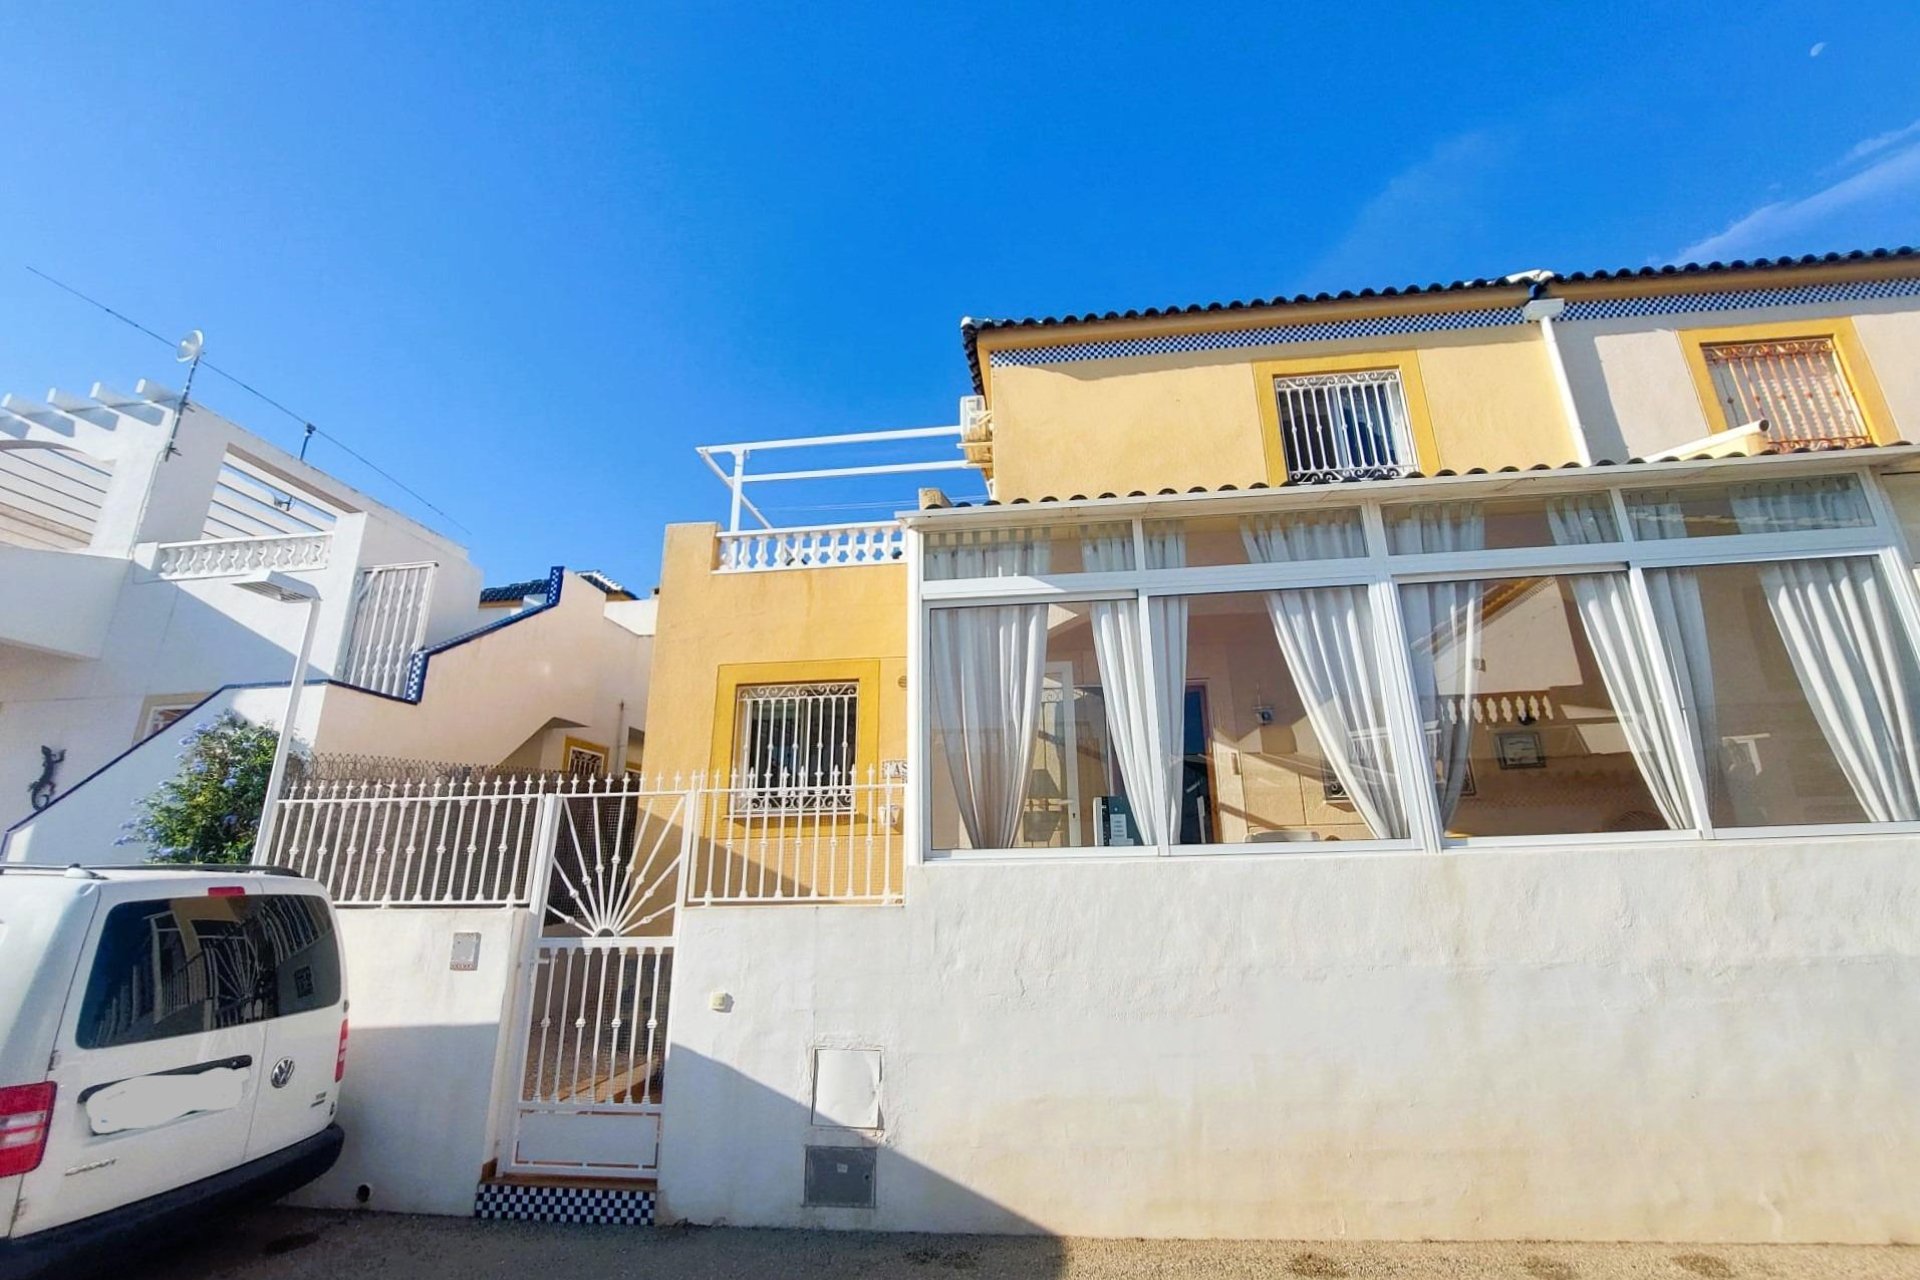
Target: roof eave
(1540,479)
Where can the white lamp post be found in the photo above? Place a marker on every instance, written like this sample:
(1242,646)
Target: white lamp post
(278,586)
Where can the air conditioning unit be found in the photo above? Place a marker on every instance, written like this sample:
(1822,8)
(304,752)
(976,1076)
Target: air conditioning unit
(973,411)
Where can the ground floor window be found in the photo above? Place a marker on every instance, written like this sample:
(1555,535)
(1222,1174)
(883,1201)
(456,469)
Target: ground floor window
(1663,670)
(794,746)
(1541,707)
(1799,683)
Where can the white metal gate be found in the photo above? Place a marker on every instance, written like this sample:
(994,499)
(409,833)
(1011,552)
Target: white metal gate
(598,982)
(595,1056)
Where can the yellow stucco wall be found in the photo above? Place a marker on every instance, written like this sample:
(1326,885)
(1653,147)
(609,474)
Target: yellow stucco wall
(1194,419)
(796,624)
(1493,401)
(719,631)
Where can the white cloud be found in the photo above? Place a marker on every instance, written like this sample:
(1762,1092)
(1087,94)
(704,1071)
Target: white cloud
(1417,217)
(1817,49)
(1873,205)
(1880,142)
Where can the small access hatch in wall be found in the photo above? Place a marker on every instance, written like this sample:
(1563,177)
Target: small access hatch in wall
(840,1177)
(846,1088)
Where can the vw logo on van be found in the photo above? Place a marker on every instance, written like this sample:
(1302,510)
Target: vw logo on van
(282,1073)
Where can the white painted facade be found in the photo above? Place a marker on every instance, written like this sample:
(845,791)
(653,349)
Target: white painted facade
(101,638)
(1695,1034)
(1636,398)
(1682,1042)
(425,1048)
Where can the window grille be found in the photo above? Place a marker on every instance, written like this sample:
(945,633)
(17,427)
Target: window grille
(1795,387)
(1344,426)
(585,762)
(795,748)
(389,622)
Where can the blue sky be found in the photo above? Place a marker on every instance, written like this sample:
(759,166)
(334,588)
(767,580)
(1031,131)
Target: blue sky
(526,261)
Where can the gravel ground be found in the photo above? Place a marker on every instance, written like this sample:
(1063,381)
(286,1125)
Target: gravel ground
(292,1244)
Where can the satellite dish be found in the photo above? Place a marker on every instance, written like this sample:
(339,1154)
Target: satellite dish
(190,347)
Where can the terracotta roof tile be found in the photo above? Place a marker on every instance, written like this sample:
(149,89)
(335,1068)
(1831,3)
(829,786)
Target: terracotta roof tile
(971,329)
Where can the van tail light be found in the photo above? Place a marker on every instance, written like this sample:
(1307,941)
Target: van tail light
(340,1058)
(227,891)
(26,1117)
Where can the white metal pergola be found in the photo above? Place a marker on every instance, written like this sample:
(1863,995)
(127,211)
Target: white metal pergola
(736,476)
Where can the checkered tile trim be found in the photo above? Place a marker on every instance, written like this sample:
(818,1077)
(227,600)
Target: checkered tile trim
(1483,318)
(1263,336)
(504,1201)
(1740,299)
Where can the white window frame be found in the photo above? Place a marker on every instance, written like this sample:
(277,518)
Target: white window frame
(1883,539)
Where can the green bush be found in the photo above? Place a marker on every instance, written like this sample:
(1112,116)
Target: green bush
(210,810)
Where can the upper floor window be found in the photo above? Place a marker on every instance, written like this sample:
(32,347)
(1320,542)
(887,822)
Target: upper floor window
(1343,426)
(795,747)
(1794,387)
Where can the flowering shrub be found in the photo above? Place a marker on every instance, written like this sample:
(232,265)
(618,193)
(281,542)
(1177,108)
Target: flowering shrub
(210,810)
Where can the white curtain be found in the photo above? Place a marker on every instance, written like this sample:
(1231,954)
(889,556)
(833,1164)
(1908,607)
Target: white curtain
(1141,703)
(1681,623)
(1605,604)
(1848,646)
(1326,635)
(988,663)
(1443,635)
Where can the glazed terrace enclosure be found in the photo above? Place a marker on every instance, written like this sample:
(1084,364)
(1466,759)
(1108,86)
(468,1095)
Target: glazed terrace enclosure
(1559,660)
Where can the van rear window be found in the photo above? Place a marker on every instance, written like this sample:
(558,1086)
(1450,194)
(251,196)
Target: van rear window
(180,966)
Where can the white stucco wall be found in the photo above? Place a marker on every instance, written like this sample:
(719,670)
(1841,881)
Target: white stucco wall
(423,1048)
(84,826)
(1673,1041)
(58,603)
(81,654)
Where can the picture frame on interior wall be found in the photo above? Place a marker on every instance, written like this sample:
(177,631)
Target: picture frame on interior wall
(1519,749)
(1333,791)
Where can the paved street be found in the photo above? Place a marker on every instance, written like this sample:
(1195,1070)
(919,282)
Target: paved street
(288,1244)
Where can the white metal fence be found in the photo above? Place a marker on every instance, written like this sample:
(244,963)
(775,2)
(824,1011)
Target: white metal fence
(814,547)
(804,843)
(469,843)
(601,857)
(50,497)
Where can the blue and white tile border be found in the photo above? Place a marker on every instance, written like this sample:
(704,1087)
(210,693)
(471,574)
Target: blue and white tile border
(1262,336)
(586,1206)
(1270,335)
(1739,299)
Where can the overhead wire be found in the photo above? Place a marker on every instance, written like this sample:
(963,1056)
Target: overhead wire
(306,423)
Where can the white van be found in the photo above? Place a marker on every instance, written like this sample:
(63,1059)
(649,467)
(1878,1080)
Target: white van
(172,1041)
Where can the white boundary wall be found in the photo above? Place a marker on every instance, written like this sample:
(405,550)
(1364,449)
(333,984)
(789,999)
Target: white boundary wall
(426,1043)
(1684,1041)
